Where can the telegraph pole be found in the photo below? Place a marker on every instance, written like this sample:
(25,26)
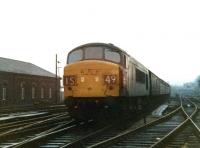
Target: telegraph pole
(56,93)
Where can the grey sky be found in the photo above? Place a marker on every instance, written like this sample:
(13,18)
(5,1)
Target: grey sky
(163,35)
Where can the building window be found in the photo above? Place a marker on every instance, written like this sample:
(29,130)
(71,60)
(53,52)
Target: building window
(50,93)
(33,92)
(4,93)
(23,91)
(42,92)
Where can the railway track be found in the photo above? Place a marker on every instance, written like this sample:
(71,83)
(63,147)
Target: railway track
(16,133)
(74,136)
(100,135)
(189,136)
(159,132)
(150,132)
(57,138)
(24,122)
(176,129)
(23,116)
(23,109)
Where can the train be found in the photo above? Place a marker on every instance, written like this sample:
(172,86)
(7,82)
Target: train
(103,80)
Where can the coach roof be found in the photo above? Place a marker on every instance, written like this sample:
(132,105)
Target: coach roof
(15,66)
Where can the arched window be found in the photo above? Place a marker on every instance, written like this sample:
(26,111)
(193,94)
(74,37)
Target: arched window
(33,92)
(42,92)
(23,90)
(4,91)
(50,93)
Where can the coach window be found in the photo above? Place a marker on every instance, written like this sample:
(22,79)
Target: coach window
(112,55)
(76,55)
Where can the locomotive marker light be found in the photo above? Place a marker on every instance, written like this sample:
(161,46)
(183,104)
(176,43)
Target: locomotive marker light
(96,79)
(82,79)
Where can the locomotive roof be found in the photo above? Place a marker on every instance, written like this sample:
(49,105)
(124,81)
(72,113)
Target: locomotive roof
(15,66)
(109,45)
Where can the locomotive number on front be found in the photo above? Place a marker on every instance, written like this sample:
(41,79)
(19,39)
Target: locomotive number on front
(70,80)
(110,79)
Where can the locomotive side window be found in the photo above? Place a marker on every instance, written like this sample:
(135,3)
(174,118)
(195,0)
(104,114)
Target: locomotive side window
(147,80)
(94,53)
(140,76)
(112,55)
(124,61)
(76,55)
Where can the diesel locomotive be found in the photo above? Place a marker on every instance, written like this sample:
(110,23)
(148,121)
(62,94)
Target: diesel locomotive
(102,79)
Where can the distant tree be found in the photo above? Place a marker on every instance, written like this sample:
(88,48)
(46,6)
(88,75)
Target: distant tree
(197,90)
(198,81)
(187,89)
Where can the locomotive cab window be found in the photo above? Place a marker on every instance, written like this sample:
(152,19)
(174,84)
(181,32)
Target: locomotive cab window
(76,55)
(93,53)
(112,55)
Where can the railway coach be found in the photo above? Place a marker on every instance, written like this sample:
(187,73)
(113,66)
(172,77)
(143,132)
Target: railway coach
(102,79)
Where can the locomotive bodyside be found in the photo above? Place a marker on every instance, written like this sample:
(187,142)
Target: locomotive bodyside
(138,79)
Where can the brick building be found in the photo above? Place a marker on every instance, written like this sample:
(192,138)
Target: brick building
(26,83)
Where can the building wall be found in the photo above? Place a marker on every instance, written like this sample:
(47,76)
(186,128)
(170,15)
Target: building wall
(17,89)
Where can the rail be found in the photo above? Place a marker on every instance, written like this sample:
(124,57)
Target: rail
(161,141)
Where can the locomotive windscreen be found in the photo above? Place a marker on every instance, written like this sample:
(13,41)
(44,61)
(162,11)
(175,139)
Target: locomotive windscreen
(76,55)
(94,53)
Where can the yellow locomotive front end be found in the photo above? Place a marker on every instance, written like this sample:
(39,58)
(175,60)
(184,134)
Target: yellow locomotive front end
(92,80)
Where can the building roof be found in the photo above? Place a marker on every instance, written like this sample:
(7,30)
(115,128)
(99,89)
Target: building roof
(15,66)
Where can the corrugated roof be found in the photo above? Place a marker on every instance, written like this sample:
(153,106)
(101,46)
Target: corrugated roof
(15,66)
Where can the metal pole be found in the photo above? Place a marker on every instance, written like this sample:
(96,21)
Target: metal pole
(56,93)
